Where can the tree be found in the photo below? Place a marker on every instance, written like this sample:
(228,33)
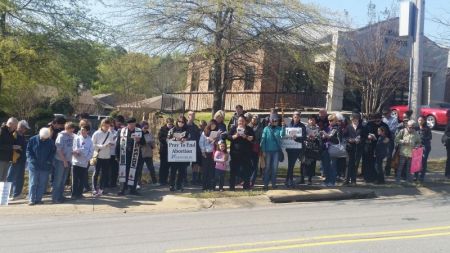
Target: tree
(55,20)
(375,66)
(221,32)
(139,74)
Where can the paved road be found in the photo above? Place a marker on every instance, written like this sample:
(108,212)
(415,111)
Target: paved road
(410,225)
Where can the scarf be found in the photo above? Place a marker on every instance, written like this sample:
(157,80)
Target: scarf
(123,156)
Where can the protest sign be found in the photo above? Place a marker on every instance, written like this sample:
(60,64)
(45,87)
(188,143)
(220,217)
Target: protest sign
(182,151)
(288,140)
(5,188)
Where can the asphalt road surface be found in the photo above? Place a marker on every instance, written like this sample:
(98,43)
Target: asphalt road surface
(412,225)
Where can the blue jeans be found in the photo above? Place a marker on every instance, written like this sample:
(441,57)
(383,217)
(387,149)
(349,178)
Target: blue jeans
(326,165)
(38,184)
(330,177)
(59,179)
(16,173)
(270,172)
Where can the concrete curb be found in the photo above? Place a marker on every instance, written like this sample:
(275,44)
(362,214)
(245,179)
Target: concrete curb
(286,196)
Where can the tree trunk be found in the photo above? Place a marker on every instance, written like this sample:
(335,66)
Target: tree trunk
(218,85)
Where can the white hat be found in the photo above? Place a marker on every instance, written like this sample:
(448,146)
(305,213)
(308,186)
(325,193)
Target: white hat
(23,123)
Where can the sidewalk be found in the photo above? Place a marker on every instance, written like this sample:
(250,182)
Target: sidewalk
(160,199)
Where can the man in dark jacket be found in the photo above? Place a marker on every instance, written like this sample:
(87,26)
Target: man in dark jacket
(233,121)
(163,156)
(7,146)
(17,169)
(194,132)
(371,136)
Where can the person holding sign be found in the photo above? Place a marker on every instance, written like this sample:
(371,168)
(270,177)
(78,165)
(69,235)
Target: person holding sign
(128,154)
(207,143)
(241,137)
(178,133)
(271,147)
(407,139)
(40,153)
(294,130)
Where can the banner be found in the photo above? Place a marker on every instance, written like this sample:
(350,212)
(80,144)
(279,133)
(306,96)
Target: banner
(182,151)
(5,188)
(416,160)
(288,140)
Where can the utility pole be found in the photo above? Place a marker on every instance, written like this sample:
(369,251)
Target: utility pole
(417,55)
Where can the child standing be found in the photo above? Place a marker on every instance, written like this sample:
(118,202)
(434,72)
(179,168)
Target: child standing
(381,152)
(221,158)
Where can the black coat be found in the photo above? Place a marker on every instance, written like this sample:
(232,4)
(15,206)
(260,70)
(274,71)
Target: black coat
(6,144)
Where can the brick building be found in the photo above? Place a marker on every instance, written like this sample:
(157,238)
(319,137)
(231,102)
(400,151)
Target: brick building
(259,82)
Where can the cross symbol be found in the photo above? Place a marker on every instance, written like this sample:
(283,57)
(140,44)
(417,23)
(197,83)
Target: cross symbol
(282,105)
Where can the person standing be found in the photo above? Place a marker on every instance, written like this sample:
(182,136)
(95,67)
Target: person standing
(147,151)
(271,147)
(241,137)
(113,161)
(221,158)
(16,171)
(64,145)
(370,137)
(7,146)
(334,136)
(295,154)
(219,117)
(194,133)
(178,169)
(128,153)
(102,140)
(354,134)
(258,128)
(392,123)
(82,152)
(313,148)
(407,139)
(208,142)
(446,142)
(163,156)
(239,110)
(425,134)
(40,156)
(381,151)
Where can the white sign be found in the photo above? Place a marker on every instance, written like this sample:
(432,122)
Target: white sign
(288,140)
(182,151)
(5,188)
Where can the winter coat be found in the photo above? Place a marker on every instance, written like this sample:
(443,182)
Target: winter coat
(40,153)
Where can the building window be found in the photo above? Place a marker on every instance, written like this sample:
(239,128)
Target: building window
(249,78)
(195,80)
(211,79)
(296,81)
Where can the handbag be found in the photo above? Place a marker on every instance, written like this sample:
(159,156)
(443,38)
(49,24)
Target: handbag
(337,150)
(94,158)
(395,158)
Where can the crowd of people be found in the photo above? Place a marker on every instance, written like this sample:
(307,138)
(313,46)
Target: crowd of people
(119,149)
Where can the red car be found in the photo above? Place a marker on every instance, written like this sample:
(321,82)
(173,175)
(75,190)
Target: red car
(436,114)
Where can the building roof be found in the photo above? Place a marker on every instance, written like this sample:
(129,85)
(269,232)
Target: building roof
(154,103)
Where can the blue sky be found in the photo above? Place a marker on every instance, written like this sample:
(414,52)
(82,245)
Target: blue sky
(357,11)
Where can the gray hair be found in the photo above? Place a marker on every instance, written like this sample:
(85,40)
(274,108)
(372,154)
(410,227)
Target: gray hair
(411,122)
(12,121)
(44,133)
